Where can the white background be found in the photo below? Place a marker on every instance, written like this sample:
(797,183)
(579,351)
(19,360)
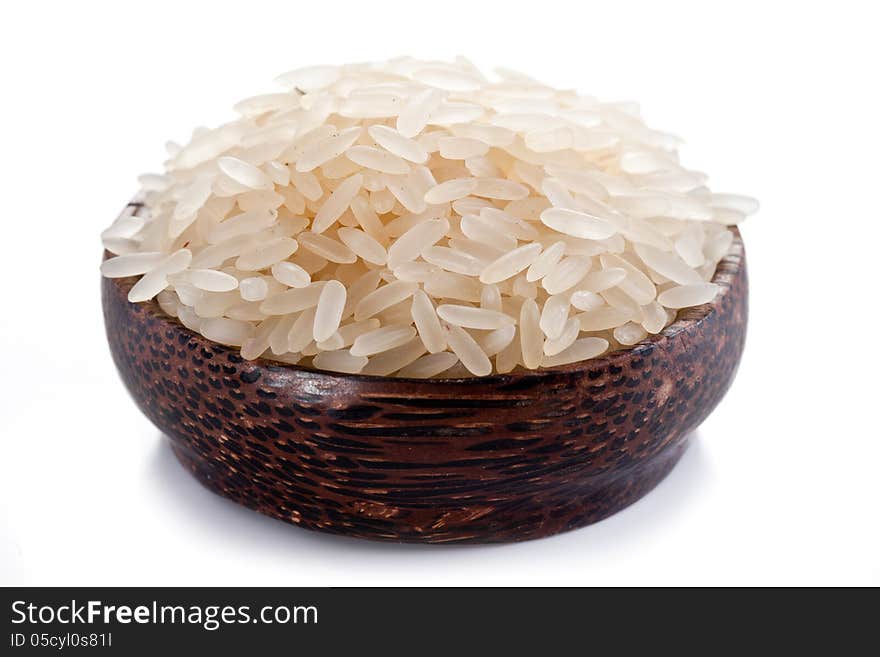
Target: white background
(776,100)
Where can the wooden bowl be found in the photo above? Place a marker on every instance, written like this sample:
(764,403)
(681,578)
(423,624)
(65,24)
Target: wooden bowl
(500,458)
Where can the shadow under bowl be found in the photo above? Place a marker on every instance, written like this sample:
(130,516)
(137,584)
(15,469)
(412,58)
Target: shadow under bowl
(492,459)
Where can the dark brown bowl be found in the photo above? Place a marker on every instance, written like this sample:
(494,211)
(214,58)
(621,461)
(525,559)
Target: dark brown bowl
(499,458)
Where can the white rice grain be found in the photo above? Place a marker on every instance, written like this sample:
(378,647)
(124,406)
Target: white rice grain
(337,203)
(668,265)
(377,159)
(212,280)
(461,148)
(493,342)
(430,365)
(474,318)
(490,298)
(384,297)
(510,264)
(244,173)
(390,361)
(636,284)
(577,224)
(531,336)
(156,280)
(414,116)
(291,274)
(598,281)
(582,349)
(394,142)
(566,337)
(480,230)
(340,361)
(327,248)
(253,288)
(500,189)
(368,219)
(684,296)
(468,351)
(450,190)
(568,273)
(586,300)
(293,300)
(409,245)
(629,334)
(382,339)
(310,78)
(243,224)
(546,262)
(554,315)
(363,245)
(328,313)
(427,323)
(133,264)
(298,335)
(601,319)
(327,149)
(453,260)
(266,254)
(226,331)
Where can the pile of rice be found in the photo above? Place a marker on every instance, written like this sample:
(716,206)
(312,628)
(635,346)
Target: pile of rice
(418,219)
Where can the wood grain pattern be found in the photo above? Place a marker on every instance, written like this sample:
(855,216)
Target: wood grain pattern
(500,458)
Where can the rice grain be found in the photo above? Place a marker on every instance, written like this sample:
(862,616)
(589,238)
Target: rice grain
(328,313)
(468,351)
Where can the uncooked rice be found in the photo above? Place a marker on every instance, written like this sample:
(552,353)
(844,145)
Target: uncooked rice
(417,218)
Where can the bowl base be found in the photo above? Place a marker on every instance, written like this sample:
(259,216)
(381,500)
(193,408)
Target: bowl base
(550,512)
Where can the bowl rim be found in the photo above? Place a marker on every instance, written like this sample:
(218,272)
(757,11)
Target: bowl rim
(728,269)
